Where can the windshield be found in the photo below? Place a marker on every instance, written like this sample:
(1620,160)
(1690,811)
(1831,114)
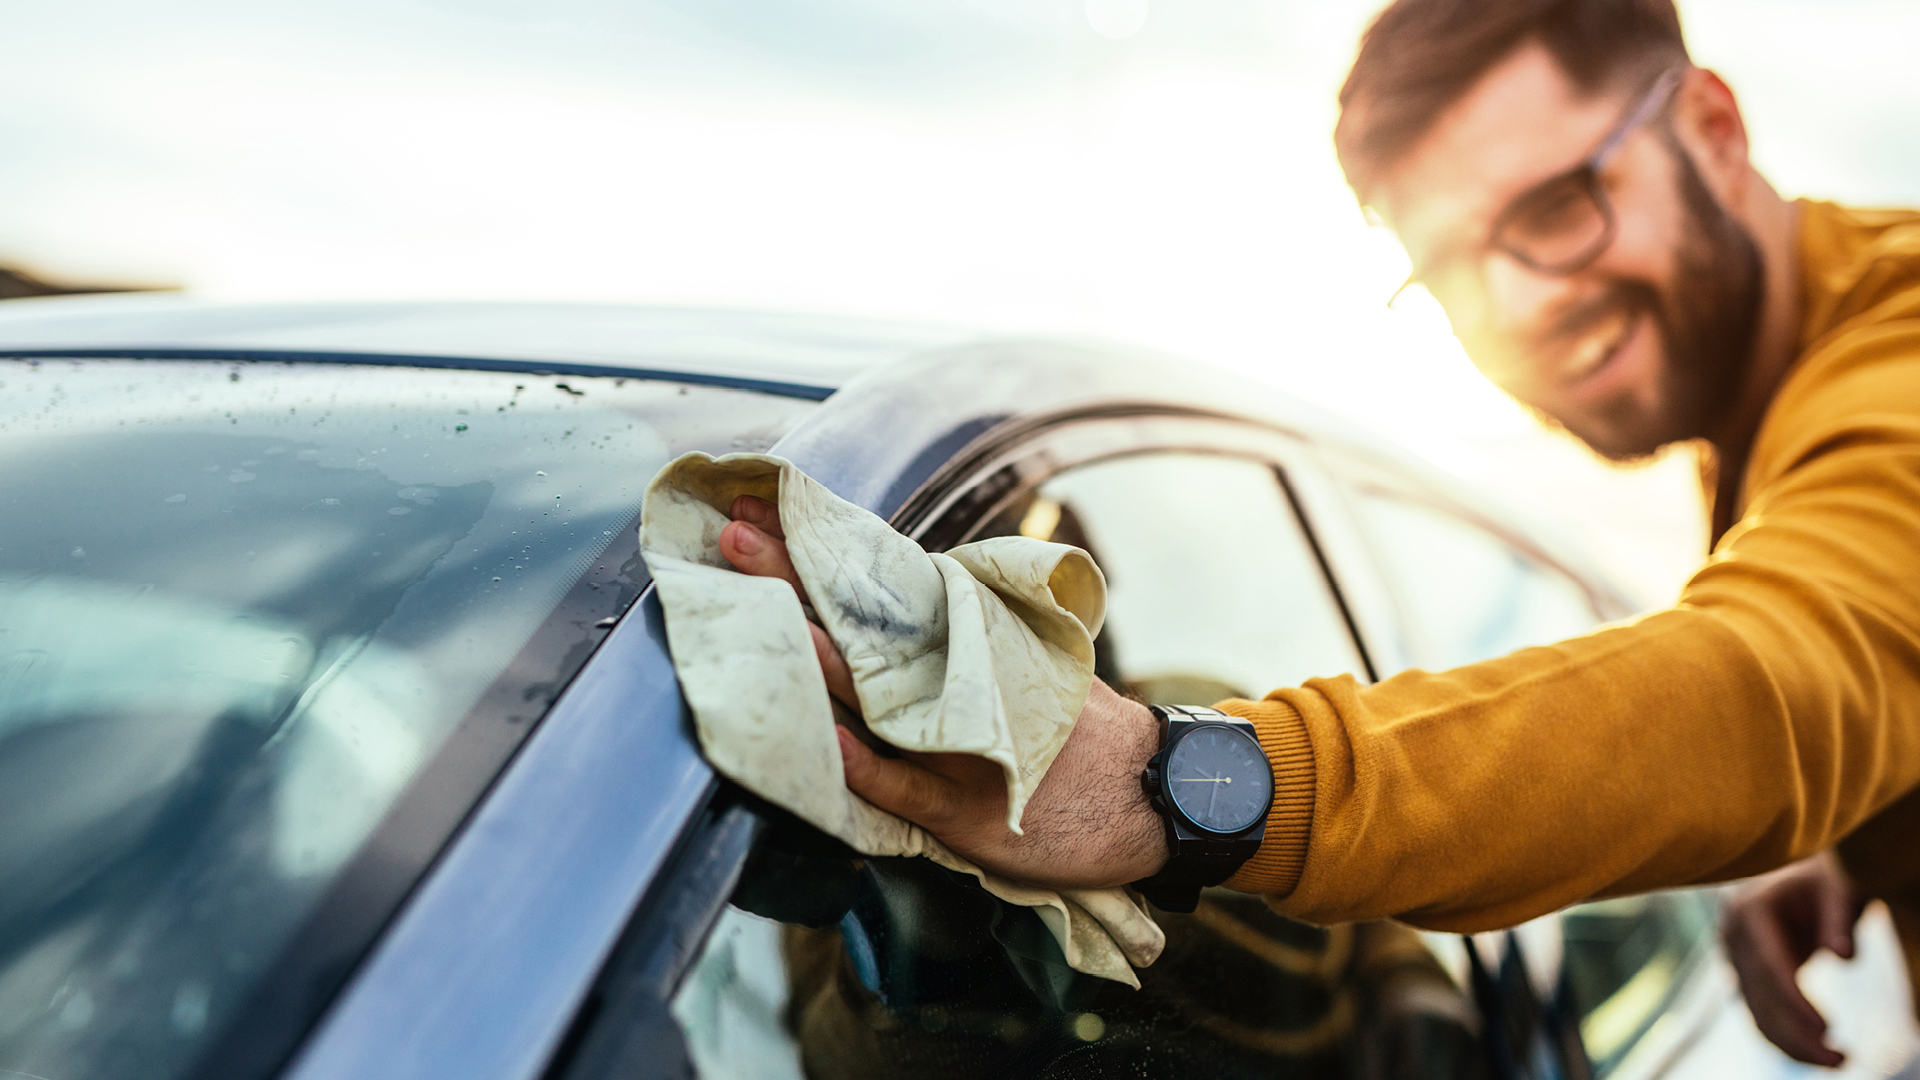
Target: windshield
(242,606)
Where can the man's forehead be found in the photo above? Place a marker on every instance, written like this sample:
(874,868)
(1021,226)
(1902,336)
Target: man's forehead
(1522,122)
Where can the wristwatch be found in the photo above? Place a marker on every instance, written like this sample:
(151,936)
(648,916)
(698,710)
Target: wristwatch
(1213,785)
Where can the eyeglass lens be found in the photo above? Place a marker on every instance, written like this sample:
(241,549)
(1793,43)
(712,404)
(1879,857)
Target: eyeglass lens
(1559,227)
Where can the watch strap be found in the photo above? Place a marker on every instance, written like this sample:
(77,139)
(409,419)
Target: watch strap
(1177,886)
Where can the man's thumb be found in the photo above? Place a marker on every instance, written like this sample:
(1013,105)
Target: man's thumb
(895,786)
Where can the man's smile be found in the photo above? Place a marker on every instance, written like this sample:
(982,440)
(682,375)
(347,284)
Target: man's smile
(1600,344)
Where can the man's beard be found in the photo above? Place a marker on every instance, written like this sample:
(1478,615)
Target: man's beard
(1707,327)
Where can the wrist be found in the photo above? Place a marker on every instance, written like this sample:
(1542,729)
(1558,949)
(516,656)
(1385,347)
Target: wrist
(1142,835)
(1150,827)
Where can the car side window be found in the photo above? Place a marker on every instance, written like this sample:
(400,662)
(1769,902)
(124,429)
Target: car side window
(893,967)
(1464,593)
(1214,590)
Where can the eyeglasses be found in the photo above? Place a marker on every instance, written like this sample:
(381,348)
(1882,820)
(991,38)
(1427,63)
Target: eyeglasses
(1562,224)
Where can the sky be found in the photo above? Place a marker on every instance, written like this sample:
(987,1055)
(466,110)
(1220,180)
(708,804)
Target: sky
(1151,171)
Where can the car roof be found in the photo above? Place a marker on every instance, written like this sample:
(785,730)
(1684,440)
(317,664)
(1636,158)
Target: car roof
(899,389)
(803,354)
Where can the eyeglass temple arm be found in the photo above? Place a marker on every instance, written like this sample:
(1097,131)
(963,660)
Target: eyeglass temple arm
(1653,102)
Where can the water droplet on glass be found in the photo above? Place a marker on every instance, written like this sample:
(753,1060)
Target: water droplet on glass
(176,498)
(78,553)
(539,473)
(78,1011)
(239,476)
(190,1008)
(396,511)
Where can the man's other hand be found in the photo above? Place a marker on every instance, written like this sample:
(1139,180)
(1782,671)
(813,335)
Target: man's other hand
(1772,926)
(1088,825)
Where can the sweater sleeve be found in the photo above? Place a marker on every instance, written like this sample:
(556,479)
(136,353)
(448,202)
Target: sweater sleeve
(1771,712)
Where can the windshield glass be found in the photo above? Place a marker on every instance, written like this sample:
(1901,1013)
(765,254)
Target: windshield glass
(241,608)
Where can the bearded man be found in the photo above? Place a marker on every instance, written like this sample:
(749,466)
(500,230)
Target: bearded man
(1579,198)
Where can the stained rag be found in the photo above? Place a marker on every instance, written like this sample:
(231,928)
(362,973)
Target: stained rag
(986,649)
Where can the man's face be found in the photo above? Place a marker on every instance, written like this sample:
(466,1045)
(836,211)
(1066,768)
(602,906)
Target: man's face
(1644,346)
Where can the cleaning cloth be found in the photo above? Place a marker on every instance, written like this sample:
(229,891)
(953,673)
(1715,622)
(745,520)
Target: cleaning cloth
(986,649)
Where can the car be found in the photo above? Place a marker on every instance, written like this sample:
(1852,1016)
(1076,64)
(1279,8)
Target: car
(339,737)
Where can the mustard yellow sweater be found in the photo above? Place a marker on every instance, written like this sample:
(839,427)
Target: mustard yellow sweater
(1771,713)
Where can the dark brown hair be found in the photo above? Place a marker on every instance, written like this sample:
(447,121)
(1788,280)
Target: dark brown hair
(1420,56)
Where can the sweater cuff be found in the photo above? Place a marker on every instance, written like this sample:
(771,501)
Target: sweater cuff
(1275,869)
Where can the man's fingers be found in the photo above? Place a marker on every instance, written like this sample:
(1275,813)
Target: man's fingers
(834,667)
(896,786)
(1766,963)
(1838,913)
(753,551)
(759,513)
(753,543)
(1840,904)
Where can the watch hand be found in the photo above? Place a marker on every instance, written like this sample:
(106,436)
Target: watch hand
(1206,780)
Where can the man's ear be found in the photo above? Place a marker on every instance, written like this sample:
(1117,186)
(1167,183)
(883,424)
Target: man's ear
(1707,121)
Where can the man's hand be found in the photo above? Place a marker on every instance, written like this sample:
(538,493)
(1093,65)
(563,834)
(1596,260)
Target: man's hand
(1771,927)
(1088,825)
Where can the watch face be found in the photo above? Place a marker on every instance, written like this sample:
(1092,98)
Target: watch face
(1218,777)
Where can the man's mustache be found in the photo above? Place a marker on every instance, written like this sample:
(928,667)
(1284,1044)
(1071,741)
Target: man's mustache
(1581,317)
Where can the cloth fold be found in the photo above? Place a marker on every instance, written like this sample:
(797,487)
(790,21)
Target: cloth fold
(986,649)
